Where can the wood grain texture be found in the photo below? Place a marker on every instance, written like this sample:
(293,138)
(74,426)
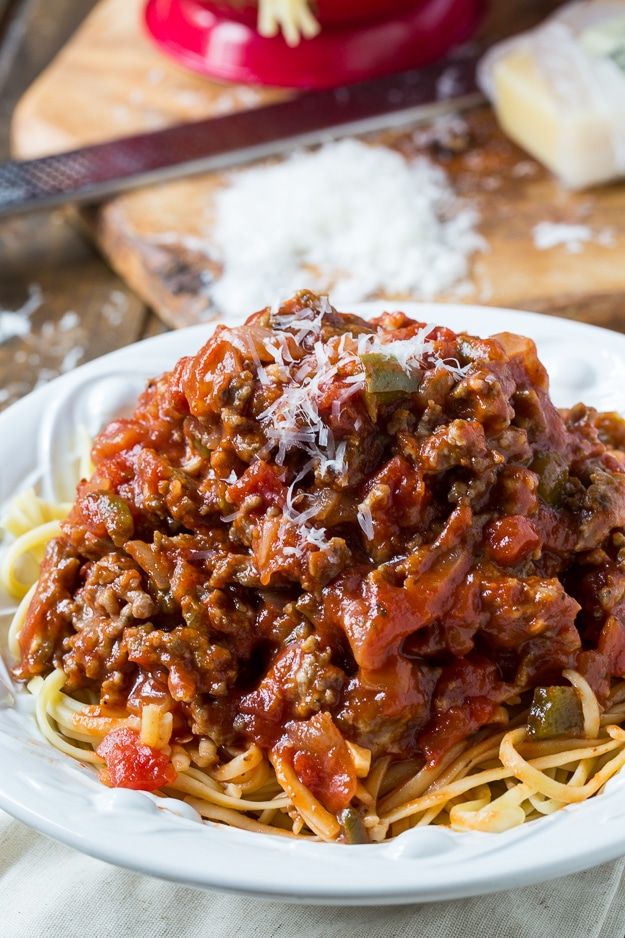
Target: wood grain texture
(5,9)
(32,33)
(85,308)
(151,237)
(109,80)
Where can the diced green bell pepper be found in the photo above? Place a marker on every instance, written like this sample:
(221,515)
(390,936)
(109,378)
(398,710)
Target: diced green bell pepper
(354,829)
(555,711)
(116,517)
(552,476)
(385,375)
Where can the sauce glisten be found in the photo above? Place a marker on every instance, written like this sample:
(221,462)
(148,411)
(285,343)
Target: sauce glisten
(322,529)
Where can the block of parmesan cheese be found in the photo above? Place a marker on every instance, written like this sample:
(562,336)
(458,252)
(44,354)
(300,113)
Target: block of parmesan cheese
(559,91)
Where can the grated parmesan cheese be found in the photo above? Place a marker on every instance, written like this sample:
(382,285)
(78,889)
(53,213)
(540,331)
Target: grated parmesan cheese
(290,511)
(549,235)
(412,354)
(292,421)
(303,322)
(409,353)
(350,217)
(316,537)
(365,520)
(14,323)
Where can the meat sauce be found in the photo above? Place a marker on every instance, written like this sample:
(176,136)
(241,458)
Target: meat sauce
(322,529)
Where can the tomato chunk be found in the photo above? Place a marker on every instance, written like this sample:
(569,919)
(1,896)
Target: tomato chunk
(511,540)
(131,764)
(467,696)
(321,760)
(206,378)
(612,645)
(117,437)
(262,479)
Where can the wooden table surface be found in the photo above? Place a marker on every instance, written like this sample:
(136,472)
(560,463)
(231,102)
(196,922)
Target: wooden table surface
(80,308)
(85,309)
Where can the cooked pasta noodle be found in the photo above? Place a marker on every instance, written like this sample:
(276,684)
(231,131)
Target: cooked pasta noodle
(31,545)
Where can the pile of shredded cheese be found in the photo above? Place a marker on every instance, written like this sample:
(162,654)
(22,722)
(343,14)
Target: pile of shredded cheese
(351,218)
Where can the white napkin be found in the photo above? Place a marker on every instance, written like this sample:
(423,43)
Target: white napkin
(50,890)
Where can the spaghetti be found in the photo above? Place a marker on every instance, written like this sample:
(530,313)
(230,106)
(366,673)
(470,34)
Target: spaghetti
(336,580)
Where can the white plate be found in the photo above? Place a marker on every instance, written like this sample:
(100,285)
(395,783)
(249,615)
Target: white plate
(62,799)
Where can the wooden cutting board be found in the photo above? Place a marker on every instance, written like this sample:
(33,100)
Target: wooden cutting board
(110,81)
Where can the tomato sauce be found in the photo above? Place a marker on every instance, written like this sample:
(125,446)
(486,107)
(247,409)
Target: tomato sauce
(320,529)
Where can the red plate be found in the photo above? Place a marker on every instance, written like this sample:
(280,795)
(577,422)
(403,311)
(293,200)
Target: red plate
(213,39)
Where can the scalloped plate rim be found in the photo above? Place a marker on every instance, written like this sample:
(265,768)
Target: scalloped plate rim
(389,873)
